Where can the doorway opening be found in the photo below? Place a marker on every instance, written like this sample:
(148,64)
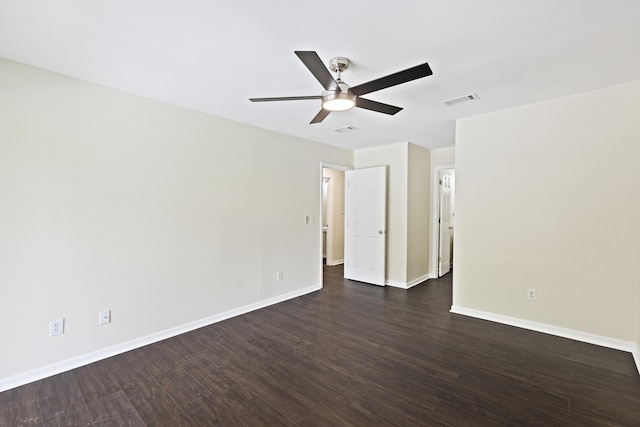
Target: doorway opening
(332,215)
(443,214)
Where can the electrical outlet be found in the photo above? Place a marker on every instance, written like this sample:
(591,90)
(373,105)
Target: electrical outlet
(56,327)
(531,294)
(279,276)
(105,317)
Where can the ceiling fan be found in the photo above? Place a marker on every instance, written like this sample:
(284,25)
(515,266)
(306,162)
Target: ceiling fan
(339,96)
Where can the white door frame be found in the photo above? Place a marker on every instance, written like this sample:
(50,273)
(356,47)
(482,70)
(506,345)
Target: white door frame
(324,165)
(435,215)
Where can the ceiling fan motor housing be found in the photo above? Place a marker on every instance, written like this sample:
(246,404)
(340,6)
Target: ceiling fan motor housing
(338,101)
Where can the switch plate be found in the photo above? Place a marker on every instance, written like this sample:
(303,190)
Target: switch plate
(105,317)
(531,294)
(279,276)
(56,327)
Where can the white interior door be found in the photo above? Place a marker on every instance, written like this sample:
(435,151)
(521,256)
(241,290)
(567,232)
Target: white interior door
(365,225)
(444,255)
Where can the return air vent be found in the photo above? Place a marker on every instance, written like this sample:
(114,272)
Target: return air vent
(346,129)
(460,99)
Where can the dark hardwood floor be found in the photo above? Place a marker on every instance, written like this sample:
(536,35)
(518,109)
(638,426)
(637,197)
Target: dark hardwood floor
(350,354)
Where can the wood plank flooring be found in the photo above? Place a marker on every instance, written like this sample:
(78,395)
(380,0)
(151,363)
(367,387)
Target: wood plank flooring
(349,355)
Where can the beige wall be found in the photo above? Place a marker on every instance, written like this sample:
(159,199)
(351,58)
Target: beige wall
(418,199)
(548,197)
(164,215)
(395,158)
(443,157)
(408,187)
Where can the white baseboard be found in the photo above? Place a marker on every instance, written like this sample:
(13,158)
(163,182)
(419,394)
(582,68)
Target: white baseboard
(600,340)
(85,359)
(408,285)
(337,262)
(417,281)
(395,284)
(636,356)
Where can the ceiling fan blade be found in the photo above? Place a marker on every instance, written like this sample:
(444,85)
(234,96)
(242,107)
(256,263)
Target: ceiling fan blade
(377,106)
(320,116)
(286,98)
(407,75)
(317,68)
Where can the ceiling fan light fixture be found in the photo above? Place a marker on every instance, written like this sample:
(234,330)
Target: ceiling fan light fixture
(338,101)
(339,96)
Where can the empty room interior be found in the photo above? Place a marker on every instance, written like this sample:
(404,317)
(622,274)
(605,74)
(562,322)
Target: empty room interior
(278,213)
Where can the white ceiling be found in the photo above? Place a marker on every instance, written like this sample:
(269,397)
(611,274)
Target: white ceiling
(212,55)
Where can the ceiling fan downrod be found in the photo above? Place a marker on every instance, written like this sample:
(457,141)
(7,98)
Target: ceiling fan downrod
(338,65)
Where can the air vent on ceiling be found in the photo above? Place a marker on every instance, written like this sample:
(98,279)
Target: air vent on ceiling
(460,99)
(346,129)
